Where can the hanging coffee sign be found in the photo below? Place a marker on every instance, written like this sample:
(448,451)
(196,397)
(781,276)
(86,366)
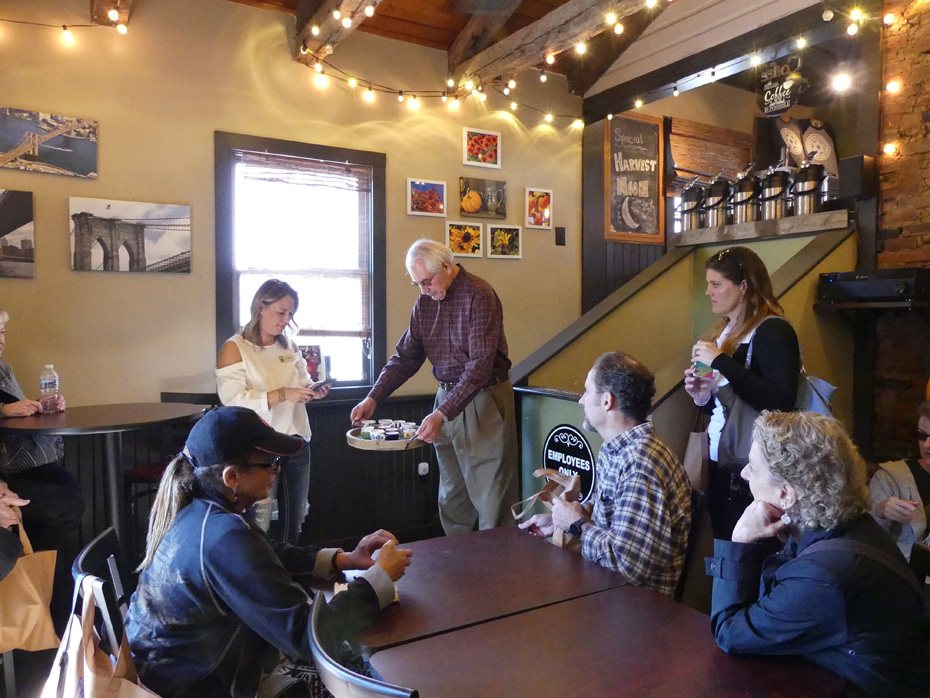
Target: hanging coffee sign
(634,150)
(567,451)
(780,86)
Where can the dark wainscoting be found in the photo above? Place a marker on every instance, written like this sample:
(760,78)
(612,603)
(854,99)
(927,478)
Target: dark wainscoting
(352,492)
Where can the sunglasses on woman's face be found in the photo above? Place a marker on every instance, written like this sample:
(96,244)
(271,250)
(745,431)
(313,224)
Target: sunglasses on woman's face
(274,466)
(922,435)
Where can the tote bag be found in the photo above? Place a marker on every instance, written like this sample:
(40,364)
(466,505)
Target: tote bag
(82,670)
(697,455)
(25,593)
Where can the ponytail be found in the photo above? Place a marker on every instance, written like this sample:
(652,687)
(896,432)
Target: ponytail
(175,492)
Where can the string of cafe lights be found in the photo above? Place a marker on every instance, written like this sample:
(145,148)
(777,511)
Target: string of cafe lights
(67,36)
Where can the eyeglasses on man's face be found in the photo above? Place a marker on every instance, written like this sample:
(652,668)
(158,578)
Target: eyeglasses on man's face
(426,283)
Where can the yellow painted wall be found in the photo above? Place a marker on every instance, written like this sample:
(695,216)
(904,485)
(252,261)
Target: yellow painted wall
(187,69)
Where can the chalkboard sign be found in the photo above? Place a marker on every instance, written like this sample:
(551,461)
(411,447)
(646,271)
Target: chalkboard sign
(634,200)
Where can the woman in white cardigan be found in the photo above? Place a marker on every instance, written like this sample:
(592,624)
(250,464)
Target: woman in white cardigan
(262,369)
(901,491)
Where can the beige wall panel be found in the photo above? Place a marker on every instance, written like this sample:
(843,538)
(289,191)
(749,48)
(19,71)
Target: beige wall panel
(187,69)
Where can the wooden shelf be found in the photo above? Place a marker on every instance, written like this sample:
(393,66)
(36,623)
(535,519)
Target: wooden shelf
(793,225)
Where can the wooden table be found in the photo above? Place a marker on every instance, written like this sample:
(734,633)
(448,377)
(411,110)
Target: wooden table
(111,421)
(454,582)
(621,642)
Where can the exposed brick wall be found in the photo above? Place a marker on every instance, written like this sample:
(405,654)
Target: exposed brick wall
(902,362)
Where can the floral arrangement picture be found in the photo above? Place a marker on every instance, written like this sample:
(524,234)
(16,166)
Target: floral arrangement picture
(504,242)
(426,198)
(538,209)
(481,148)
(464,239)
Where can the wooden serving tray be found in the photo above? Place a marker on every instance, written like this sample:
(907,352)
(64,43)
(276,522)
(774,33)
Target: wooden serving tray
(354,439)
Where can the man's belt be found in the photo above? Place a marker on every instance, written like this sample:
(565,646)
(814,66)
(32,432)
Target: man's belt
(449,385)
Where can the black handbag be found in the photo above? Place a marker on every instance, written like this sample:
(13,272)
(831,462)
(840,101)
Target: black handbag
(736,435)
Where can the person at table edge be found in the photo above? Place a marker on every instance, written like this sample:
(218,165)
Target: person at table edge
(642,500)
(843,609)
(458,324)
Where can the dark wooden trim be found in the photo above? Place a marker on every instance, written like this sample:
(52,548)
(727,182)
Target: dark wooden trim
(224,147)
(531,363)
(567,395)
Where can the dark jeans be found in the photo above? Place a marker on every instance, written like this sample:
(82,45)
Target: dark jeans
(728,496)
(51,520)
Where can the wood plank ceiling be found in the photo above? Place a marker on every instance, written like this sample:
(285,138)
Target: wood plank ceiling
(487,40)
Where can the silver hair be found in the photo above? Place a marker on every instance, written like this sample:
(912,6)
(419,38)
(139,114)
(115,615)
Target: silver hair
(433,254)
(815,455)
(4,316)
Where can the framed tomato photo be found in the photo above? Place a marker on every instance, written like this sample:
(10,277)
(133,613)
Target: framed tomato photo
(481,148)
(426,198)
(537,210)
(464,239)
(504,242)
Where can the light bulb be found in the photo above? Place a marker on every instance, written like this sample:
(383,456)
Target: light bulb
(506,91)
(618,28)
(370,11)
(893,86)
(315,30)
(113,14)
(328,49)
(548,118)
(450,82)
(610,117)
(122,28)
(304,50)
(888,19)
(483,97)
(842,82)
(650,3)
(67,37)
(369,95)
(755,59)
(580,48)
(889,149)
(550,59)
(801,42)
(454,104)
(318,67)
(543,77)
(337,14)
(827,15)
(611,18)
(511,83)
(414,103)
(400,96)
(578,123)
(638,103)
(856,14)
(675,92)
(321,80)
(353,82)
(347,22)
(445,96)
(474,92)
(852,29)
(469,85)
(513,106)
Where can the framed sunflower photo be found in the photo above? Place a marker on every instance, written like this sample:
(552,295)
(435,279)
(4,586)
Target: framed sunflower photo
(481,148)
(505,242)
(464,239)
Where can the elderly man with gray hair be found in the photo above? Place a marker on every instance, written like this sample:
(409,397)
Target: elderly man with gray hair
(458,324)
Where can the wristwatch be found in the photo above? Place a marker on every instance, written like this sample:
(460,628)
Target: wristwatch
(575,528)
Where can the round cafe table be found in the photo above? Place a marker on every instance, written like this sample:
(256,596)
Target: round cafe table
(111,421)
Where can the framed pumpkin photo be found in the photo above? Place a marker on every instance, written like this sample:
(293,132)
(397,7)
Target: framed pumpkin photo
(505,241)
(481,148)
(482,198)
(537,211)
(464,239)
(426,198)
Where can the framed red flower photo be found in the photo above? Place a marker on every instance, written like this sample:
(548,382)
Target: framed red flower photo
(481,148)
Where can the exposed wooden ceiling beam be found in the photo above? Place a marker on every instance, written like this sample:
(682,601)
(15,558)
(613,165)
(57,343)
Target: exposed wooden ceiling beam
(558,31)
(100,11)
(319,13)
(481,31)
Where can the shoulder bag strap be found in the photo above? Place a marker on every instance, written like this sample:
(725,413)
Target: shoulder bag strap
(884,559)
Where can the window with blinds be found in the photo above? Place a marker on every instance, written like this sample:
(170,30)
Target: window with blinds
(308,222)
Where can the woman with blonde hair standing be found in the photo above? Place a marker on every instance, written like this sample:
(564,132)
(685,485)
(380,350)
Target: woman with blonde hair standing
(749,358)
(262,369)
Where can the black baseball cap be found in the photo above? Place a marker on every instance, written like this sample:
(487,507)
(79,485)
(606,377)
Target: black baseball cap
(225,433)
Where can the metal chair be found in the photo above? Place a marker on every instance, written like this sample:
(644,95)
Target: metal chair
(698,509)
(340,681)
(100,560)
(920,563)
(9,675)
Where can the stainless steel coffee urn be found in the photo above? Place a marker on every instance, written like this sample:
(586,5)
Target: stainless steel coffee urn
(807,187)
(716,200)
(692,199)
(746,196)
(775,186)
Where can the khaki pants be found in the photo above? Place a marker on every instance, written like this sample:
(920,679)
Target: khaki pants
(477,454)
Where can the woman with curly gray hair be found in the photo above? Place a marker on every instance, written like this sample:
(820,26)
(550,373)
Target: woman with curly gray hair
(838,593)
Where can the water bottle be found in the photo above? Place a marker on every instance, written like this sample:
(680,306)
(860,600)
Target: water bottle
(48,388)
